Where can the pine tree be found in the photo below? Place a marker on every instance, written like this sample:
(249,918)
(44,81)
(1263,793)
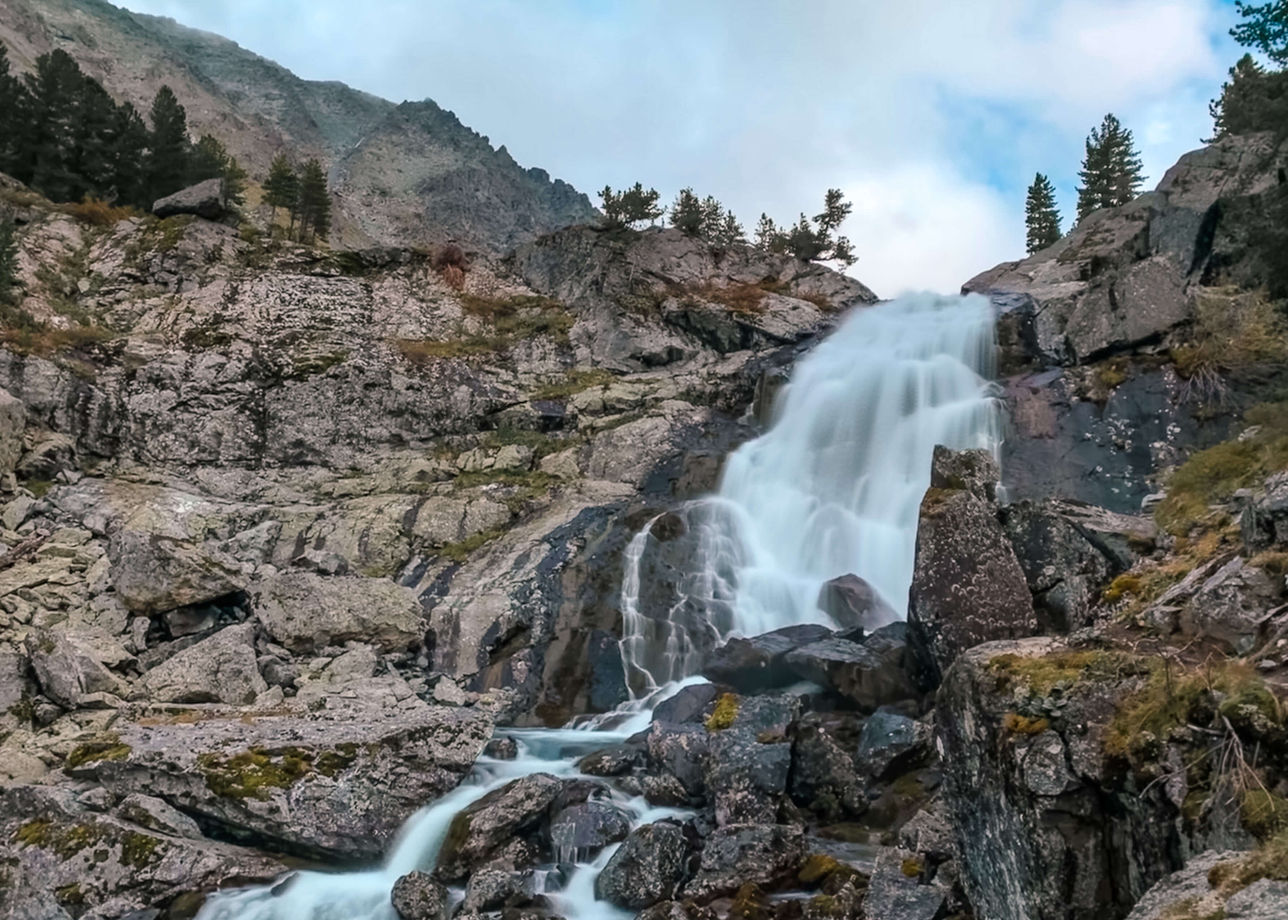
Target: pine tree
(730,232)
(12,123)
(168,145)
(129,148)
(94,164)
(768,238)
(1041,218)
(211,160)
(713,215)
(686,213)
(1111,168)
(282,186)
(8,257)
(48,162)
(1265,27)
(313,204)
(835,210)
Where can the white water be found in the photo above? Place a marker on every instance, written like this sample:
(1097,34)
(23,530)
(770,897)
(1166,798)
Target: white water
(832,488)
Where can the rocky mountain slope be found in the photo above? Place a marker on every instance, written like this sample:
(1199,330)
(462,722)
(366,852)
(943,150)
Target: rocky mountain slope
(402,174)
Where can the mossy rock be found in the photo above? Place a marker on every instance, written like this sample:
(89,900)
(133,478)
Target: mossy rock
(255,773)
(724,714)
(104,748)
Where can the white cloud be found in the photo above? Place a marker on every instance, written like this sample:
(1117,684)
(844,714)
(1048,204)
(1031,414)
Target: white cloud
(937,112)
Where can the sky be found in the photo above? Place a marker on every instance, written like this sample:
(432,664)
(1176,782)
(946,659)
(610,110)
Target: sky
(931,115)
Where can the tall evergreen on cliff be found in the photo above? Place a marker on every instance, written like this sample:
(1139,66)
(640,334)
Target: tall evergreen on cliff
(168,160)
(313,204)
(10,117)
(1264,27)
(1111,171)
(1041,218)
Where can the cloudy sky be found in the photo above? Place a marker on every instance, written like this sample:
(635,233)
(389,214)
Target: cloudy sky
(932,115)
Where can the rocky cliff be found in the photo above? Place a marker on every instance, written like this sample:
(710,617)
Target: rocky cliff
(401,174)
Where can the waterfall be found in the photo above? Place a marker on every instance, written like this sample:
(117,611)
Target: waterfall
(832,488)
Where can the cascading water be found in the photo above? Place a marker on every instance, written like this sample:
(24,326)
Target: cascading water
(832,488)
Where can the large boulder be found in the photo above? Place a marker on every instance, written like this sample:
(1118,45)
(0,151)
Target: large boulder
(60,859)
(648,867)
(336,785)
(488,824)
(763,854)
(967,585)
(218,669)
(155,572)
(852,603)
(758,663)
(306,612)
(207,199)
(871,673)
(13,422)
(417,896)
(68,670)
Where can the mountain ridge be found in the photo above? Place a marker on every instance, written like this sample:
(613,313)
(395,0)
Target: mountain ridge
(396,179)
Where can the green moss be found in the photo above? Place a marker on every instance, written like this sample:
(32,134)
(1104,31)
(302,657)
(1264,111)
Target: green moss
(912,867)
(139,850)
(34,833)
(330,763)
(462,550)
(253,774)
(107,747)
(1263,813)
(311,365)
(816,868)
(750,904)
(575,382)
(70,895)
(1270,860)
(1213,475)
(724,714)
(1042,674)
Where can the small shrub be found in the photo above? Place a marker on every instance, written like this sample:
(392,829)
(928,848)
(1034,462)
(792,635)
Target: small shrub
(99,213)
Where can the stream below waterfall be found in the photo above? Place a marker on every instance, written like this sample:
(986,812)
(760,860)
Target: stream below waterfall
(832,488)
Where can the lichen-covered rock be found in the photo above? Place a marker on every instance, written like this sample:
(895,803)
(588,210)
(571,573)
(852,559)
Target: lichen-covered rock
(57,858)
(485,826)
(68,670)
(154,572)
(582,830)
(1233,605)
(891,742)
(648,867)
(218,669)
(900,889)
(324,786)
(824,779)
(13,422)
(1045,828)
(976,471)
(967,586)
(735,855)
(417,896)
(306,612)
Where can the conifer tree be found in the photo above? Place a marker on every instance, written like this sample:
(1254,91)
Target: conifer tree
(1041,218)
(8,257)
(730,232)
(129,149)
(282,186)
(1265,27)
(1111,168)
(686,213)
(210,160)
(48,162)
(93,160)
(168,145)
(313,204)
(768,238)
(630,206)
(12,122)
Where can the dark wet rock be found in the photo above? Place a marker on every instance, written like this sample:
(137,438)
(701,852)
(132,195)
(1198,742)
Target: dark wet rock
(612,761)
(485,826)
(733,856)
(205,199)
(691,704)
(759,663)
(495,886)
(899,889)
(747,777)
(504,748)
(1044,826)
(663,790)
(929,834)
(417,896)
(677,910)
(967,585)
(680,751)
(853,603)
(648,867)
(607,673)
(891,743)
(1068,552)
(579,831)
(869,674)
(824,780)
